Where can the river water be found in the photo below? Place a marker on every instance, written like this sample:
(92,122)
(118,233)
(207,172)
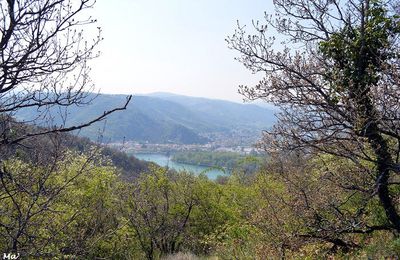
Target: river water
(164,160)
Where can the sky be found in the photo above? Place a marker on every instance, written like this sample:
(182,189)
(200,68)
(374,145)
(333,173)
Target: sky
(175,46)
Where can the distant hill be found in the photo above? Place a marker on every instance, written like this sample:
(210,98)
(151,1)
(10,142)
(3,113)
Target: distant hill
(226,113)
(166,118)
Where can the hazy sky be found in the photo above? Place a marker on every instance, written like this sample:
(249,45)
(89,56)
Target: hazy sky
(172,46)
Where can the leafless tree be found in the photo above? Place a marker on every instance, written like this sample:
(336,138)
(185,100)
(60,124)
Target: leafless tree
(335,77)
(44,61)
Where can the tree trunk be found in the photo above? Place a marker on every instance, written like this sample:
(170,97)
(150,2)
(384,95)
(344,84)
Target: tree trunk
(384,162)
(384,159)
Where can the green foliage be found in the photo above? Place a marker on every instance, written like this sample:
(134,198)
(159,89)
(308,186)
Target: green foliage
(229,160)
(372,38)
(236,240)
(78,207)
(61,208)
(171,211)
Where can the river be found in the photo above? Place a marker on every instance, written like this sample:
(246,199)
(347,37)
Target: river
(164,160)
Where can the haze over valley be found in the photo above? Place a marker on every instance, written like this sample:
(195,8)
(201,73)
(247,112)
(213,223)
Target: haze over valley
(166,119)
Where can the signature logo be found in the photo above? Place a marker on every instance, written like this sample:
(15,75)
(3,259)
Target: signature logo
(10,256)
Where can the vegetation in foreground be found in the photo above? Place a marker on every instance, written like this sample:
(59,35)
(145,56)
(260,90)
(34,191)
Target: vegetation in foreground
(77,206)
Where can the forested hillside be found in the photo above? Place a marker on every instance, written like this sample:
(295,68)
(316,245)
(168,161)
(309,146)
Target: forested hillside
(160,120)
(43,147)
(224,113)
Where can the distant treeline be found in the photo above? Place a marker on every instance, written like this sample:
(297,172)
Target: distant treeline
(227,160)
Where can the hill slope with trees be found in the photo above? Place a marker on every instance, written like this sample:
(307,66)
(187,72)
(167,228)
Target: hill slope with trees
(176,119)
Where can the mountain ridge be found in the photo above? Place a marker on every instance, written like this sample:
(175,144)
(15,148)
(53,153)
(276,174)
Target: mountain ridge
(169,118)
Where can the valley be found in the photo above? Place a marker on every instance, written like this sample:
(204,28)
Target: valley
(210,159)
(162,118)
